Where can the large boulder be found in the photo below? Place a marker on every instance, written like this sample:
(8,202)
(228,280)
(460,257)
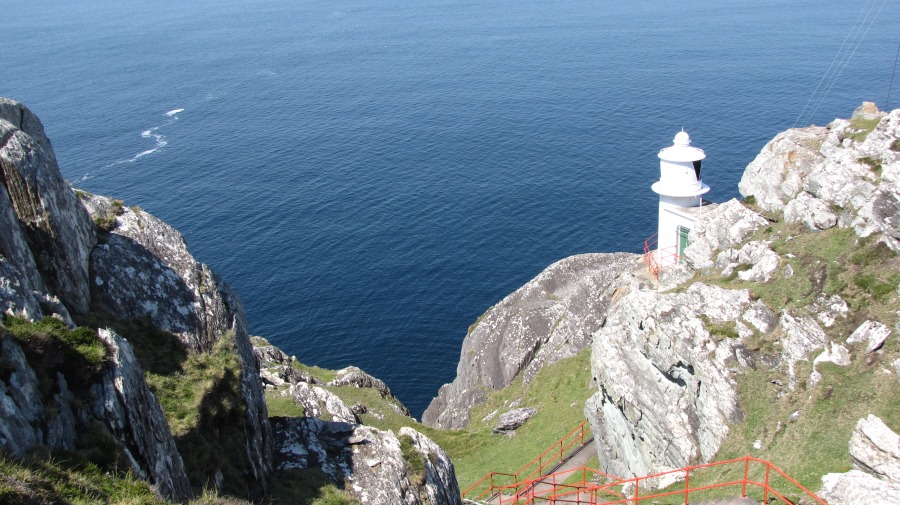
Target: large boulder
(548,319)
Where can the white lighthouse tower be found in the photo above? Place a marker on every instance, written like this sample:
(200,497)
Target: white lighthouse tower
(679,188)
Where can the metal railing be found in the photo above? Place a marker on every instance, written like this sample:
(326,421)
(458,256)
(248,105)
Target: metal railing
(658,258)
(490,484)
(761,479)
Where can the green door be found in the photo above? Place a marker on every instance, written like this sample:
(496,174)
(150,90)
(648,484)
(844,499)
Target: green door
(682,240)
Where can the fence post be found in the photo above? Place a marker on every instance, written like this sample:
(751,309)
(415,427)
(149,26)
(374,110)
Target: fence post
(766,489)
(687,484)
(637,491)
(746,474)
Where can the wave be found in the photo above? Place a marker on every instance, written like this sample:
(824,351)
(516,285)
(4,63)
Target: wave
(159,141)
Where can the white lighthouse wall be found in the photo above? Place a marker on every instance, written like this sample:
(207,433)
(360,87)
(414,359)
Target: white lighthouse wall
(671,216)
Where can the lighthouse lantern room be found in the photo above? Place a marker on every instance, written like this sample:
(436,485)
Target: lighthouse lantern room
(680,189)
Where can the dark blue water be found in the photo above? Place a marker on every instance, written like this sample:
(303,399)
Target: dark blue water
(372,175)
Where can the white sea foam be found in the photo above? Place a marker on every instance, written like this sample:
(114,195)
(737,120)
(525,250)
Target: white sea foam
(173,112)
(159,141)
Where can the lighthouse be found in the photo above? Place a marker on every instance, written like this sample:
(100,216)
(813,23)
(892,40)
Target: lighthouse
(680,189)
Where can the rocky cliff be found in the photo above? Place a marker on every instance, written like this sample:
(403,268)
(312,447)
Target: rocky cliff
(548,319)
(118,346)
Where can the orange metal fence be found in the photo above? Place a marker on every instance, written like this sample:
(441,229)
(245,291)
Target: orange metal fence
(658,258)
(534,469)
(761,478)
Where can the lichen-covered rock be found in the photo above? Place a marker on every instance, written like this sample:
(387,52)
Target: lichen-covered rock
(143,269)
(776,175)
(763,261)
(811,211)
(802,335)
(720,229)
(548,319)
(317,402)
(46,236)
(858,488)
(356,377)
(125,404)
(513,420)
(873,333)
(823,176)
(664,379)
(875,449)
(369,463)
(875,452)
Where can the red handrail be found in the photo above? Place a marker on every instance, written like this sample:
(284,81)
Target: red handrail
(558,492)
(539,464)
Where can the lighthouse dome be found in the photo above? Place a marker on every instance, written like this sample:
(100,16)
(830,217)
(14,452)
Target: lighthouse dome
(682,139)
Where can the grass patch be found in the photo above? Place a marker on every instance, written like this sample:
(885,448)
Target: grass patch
(895,145)
(860,128)
(51,347)
(306,487)
(282,405)
(721,330)
(873,164)
(416,469)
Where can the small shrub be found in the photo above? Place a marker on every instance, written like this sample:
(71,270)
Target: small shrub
(105,223)
(749,201)
(895,145)
(118,207)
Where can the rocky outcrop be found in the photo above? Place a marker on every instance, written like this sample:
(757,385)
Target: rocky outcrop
(34,416)
(125,404)
(666,394)
(718,232)
(46,235)
(548,319)
(837,175)
(25,422)
(875,454)
(142,269)
(367,462)
(52,264)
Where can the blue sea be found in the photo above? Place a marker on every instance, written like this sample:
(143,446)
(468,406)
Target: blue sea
(372,175)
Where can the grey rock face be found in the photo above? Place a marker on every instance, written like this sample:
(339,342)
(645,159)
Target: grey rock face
(143,269)
(875,452)
(548,319)
(368,462)
(776,175)
(120,400)
(126,405)
(721,229)
(513,420)
(821,178)
(23,421)
(875,449)
(39,211)
(666,394)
